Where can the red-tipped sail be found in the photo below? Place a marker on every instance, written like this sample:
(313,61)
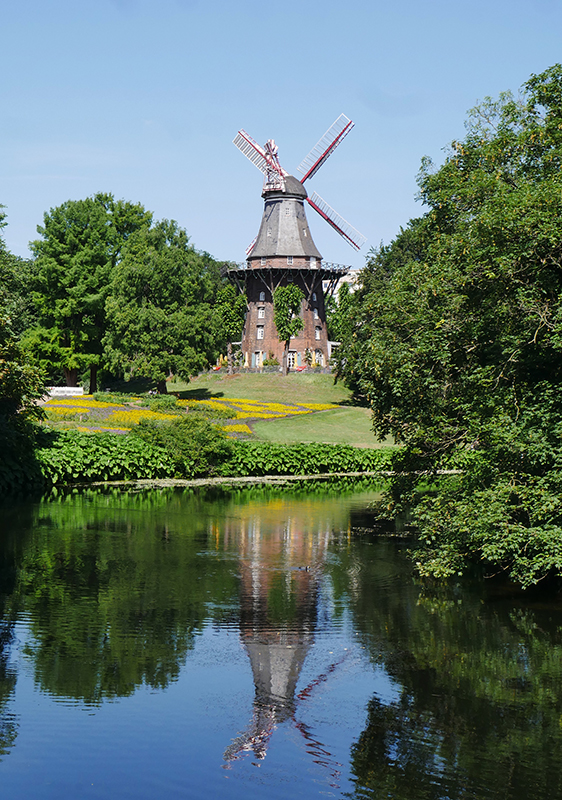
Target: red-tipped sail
(355,239)
(335,134)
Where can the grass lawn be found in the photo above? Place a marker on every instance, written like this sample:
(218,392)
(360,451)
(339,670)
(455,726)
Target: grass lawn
(345,425)
(267,387)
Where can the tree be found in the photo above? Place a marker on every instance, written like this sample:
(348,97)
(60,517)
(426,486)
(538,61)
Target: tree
(21,385)
(16,280)
(338,313)
(456,340)
(230,312)
(81,244)
(287,302)
(160,307)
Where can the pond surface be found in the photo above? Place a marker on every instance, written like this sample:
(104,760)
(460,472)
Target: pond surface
(260,643)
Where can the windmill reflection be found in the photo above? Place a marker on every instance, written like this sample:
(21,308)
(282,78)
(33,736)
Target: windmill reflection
(280,566)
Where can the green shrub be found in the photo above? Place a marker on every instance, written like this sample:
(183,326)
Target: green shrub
(210,412)
(119,398)
(163,402)
(188,447)
(265,458)
(196,446)
(19,468)
(75,457)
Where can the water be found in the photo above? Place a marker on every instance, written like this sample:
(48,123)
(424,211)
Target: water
(260,643)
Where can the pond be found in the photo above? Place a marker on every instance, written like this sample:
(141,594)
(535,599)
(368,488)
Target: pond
(261,643)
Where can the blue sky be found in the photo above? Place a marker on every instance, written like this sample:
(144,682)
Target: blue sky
(143,100)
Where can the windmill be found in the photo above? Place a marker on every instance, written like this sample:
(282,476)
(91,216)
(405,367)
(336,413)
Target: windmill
(266,160)
(284,252)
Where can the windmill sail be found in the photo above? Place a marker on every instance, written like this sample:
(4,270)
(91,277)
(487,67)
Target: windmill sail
(251,150)
(335,134)
(251,246)
(355,239)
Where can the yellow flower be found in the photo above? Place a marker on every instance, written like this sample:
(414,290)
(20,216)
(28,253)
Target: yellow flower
(85,402)
(240,428)
(318,406)
(132,417)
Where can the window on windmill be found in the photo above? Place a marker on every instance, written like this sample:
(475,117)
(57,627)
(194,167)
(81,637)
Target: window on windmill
(263,261)
(287,210)
(312,261)
(319,357)
(317,332)
(304,232)
(261,313)
(262,297)
(316,313)
(290,260)
(260,332)
(313,293)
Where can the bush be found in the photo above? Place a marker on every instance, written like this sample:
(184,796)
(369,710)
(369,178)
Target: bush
(195,445)
(265,458)
(209,411)
(75,457)
(188,447)
(164,402)
(118,398)
(21,385)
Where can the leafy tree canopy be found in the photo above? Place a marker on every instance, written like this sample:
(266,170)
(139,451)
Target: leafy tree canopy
(455,338)
(287,302)
(16,277)
(82,241)
(159,309)
(21,385)
(230,311)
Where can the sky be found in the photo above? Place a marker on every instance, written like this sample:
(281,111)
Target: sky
(143,100)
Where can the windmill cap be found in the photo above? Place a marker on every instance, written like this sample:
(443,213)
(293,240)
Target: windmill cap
(293,188)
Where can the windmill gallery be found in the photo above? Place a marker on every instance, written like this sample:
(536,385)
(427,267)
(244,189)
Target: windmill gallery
(284,253)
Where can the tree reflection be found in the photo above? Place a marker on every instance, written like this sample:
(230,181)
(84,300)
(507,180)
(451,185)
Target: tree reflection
(14,518)
(478,708)
(115,595)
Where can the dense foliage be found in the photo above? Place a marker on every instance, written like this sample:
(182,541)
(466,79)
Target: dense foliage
(266,458)
(160,307)
(456,341)
(75,457)
(195,446)
(190,447)
(230,313)
(111,290)
(81,243)
(21,384)
(287,302)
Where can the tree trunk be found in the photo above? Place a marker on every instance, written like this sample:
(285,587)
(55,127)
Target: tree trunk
(285,366)
(161,387)
(229,358)
(71,376)
(93,378)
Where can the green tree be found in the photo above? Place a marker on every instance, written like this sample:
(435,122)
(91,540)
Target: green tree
(81,244)
(287,302)
(456,341)
(338,314)
(21,385)
(230,312)
(16,280)
(160,307)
